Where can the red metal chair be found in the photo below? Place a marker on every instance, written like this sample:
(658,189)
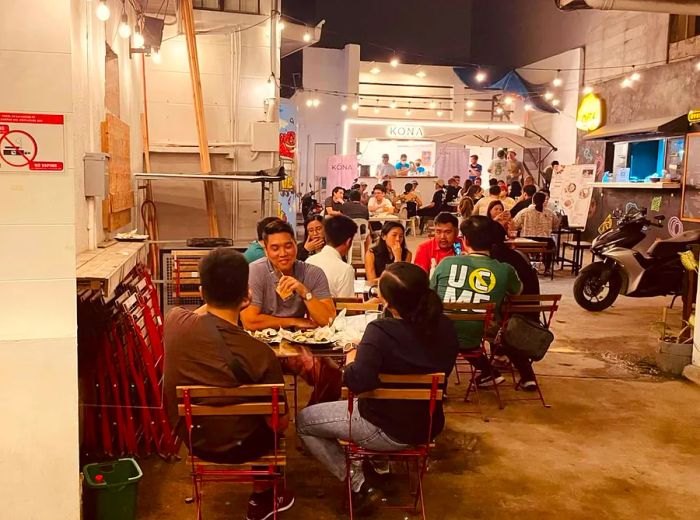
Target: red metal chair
(421,387)
(202,401)
(543,306)
(474,312)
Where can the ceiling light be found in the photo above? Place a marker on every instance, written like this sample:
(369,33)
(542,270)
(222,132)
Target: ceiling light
(155,56)
(375,70)
(509,100)
(636,76)
(555,103)
(309,102)
(281,26)
(394,62)
(470,104)
(392,104)
(528,107)
(355,106)
(307,36)
(432,105)
(102,11)
(470,112)
(697,66)
(439,113)
(138,40)
(409,112)
(376,110)
(480,77)
(421,74)
(344,108)
(557,82)
(316,102)
(626,83)
(124,28)
(587,90)
(548,96)
(499,110)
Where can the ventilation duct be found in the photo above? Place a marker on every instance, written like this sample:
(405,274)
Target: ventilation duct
(686,7)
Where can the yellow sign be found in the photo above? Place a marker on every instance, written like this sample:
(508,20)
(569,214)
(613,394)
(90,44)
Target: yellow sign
(590,113)
(694,116)
(607,225)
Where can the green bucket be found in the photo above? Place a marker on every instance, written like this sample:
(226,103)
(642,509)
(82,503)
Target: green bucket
(110,490)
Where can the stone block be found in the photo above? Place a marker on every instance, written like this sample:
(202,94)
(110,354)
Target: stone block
(692,373)
(673,357)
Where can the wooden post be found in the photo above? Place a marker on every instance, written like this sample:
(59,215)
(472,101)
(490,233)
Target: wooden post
(204,159)
(148,210)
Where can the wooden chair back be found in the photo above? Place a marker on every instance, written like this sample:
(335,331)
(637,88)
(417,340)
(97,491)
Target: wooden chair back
(357,308)
(470,312)
(542,304)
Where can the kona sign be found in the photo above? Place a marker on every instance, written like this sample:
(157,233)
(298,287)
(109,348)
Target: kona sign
(405,131)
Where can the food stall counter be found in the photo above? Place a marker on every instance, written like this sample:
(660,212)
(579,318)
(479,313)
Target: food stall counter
(640,185)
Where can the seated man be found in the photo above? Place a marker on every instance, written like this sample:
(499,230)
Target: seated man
(207,347)
(255,250)
(476,278)
(445,243)
(339,231)
(287,293)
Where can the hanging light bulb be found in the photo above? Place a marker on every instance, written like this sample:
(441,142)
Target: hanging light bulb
(432,105)
(155,56)
(394,61)
(470,112)
(626,83)
(508,100)
(480,77)
(138,40)
(392,104)
(375,70)
(636,76)
(557,80)
(470,104)
(376,110)
(281,26)
(309,102)
(499,110)
(440,113)
(421,73)
(556,103)
(124,28)
(307,36)
(316,102)
(102,11)
(355,106)
(409,112)
(548,96)
(697,66)
(528,107)
(587,90)
(344,107)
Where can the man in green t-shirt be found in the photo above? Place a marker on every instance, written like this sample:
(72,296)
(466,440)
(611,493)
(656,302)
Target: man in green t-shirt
(476,278)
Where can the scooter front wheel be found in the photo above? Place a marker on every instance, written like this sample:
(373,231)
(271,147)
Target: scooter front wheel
(596,287)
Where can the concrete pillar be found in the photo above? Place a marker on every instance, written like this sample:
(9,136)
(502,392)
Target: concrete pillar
(692,371)
(38,345)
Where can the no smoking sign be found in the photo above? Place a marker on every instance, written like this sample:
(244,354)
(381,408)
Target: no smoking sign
(31,142)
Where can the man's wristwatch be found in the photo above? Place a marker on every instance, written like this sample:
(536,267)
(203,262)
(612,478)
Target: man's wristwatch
(309,296)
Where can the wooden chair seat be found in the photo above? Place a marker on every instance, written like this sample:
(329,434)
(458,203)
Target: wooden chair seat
(265,460)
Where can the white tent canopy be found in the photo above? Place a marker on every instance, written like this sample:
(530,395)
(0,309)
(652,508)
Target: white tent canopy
(492,139)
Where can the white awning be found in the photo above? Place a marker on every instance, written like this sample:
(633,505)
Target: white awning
(492,138)
(668,124)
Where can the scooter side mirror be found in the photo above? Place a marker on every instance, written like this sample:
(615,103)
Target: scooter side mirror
(660,218)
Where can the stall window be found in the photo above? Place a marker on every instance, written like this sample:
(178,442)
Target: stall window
(690,207)
(682,27)
(675,153)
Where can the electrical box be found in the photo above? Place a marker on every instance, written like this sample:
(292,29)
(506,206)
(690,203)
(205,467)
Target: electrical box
(265,137)
(96,179)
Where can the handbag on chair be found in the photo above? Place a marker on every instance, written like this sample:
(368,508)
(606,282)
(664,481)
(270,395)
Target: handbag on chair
(527,336)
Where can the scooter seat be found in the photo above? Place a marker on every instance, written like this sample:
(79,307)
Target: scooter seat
(673,245)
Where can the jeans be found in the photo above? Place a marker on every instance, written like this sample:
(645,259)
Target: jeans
(320,426)
(322,374)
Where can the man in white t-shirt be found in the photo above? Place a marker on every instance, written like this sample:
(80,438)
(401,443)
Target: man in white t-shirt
(498,169)
(379,204)
(340,231)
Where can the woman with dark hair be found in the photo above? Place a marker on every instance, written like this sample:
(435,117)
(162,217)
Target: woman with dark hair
(475,192)
(390,248)
(537,223)
(497,212)
(416,338)
(516,190)
(411,199)
(467,184)
(314,238)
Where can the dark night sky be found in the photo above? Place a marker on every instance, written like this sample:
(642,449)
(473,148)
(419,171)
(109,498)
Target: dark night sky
(442,32)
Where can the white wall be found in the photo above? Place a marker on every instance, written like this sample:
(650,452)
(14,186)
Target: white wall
(39,437)
(558,129)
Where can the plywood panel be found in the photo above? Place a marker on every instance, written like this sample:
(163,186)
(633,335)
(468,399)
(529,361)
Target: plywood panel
(116,208)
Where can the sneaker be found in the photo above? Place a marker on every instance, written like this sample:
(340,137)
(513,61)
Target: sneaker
(487,380)
(528,386)
(380,467)
(366,500)
(261,507)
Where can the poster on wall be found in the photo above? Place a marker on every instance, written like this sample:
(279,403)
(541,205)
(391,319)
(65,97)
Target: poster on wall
(571,191)
(31,142)
(341,171)
(288,198)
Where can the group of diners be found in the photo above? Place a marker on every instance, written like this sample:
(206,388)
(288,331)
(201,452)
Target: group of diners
(212,346)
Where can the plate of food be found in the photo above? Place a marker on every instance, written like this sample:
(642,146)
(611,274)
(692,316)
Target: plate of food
(267,335)
(321,337)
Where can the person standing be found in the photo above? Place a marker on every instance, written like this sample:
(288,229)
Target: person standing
(402,166)
(445,243)
(549,172)
(476,278)
(498,169)
(475,168)
(333,203)
(340,231)
(516,170)
(385,169)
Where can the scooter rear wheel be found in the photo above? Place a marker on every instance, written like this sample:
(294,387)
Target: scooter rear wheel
(592,293)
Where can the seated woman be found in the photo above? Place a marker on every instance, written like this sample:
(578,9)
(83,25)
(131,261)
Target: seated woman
(498,213)
(417,339)
(410,196)
(537,223)
(390,248)
(314,238)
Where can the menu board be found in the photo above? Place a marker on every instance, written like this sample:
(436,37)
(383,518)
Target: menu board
(571,190)
(691,179)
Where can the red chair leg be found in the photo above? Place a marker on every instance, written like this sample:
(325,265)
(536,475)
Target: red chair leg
(348,480)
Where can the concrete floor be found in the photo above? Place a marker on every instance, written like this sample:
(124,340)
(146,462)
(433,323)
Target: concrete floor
(618,442)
